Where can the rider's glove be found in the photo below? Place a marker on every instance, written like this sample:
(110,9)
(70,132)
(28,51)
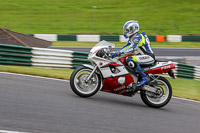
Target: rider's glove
(114,54)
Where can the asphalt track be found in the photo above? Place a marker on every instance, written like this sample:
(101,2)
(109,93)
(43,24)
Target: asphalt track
(43,105)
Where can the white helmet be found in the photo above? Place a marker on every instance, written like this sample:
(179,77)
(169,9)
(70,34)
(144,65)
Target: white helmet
(130,27)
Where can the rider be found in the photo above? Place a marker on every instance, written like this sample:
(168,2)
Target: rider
(138,44)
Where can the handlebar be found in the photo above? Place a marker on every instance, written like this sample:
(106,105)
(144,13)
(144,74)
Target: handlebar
(103,53)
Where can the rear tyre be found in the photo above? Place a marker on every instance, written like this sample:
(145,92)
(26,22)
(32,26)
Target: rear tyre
(157,101)
(79,85)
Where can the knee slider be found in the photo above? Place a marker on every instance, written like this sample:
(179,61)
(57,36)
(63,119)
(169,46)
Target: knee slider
(131,64)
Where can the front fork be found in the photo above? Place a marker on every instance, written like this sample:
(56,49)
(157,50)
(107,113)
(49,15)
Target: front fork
(91,74)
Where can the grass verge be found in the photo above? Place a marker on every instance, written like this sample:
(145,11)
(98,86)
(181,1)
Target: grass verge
(181,87)
(45,72)
(121,44)
(186,88)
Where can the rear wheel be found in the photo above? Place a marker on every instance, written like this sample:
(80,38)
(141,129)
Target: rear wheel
(162,98)
(79,85)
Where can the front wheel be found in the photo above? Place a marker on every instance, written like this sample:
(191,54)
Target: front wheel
(79,85)
(165,93)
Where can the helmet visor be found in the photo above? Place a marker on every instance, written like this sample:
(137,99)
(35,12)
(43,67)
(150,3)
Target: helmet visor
(125,31)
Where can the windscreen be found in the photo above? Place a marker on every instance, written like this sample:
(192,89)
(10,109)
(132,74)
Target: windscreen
(105,43)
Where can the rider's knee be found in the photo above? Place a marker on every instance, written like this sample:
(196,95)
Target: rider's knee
(130,62)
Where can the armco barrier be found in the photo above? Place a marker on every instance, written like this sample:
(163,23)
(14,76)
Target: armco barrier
(43,57)
(187,71)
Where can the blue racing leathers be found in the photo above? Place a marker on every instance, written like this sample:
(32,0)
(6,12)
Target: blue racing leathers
(139,45)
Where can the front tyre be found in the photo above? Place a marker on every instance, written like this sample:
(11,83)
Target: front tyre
(154,100)
(79,85)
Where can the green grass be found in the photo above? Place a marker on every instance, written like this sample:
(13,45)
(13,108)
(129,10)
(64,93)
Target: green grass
(100,16)
(181,87)
(121,44)
(186,88)
(45,72)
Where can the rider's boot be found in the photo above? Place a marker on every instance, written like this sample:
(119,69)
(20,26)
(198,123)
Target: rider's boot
(145,79)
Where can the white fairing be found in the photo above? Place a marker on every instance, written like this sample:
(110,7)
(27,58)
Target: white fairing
(106,72)
(101,62)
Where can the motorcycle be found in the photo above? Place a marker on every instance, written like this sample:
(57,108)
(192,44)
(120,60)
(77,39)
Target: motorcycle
(114,76)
